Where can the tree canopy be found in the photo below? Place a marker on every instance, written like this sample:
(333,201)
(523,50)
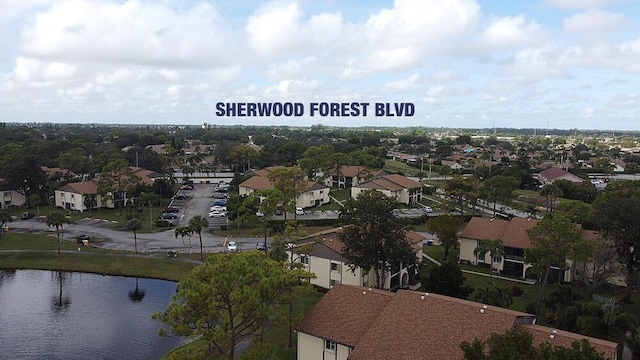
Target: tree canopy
(446,228)
(518,344)
(374,237)
(228,299)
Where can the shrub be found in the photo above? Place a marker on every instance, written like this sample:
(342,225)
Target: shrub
(516,291)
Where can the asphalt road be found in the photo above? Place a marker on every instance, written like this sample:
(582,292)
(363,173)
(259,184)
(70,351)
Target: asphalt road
(200,200)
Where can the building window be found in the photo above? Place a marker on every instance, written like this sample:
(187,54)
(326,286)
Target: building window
(329,345)
(335,266)
(304,259)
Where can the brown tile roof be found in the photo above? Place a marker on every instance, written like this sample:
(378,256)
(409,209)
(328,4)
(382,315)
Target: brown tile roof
(262,182)
(563,338)
(512,233)
(257,183)
(84,188)
(553,173)
(380,325)
(393,182)
(344,314)
(331,239)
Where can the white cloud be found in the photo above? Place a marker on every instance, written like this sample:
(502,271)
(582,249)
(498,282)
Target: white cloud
(278,30)
(594,22)
(579,4)
(132,32)
(510,32)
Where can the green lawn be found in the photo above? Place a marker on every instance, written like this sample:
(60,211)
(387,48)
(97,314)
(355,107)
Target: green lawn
(394,166)
(87,259)
(479,282)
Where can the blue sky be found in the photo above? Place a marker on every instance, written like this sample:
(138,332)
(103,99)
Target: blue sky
(571,64)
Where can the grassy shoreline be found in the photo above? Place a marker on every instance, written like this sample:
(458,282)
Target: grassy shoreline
(38,252)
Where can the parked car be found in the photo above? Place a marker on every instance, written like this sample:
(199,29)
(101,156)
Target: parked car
(180,197)
(218,208)
(217,214)
(299,211)
(427,209)
(169,216)
(165,223)
(186,187)
(172,209)
(220,195)
(279,211)
(27,216)
(220,202)
(232,246)
(260,245)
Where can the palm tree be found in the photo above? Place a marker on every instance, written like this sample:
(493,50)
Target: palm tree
(183,231)
(493,295)
(134,225)
(56,219)
(551,192)
(196,224)
(495,250)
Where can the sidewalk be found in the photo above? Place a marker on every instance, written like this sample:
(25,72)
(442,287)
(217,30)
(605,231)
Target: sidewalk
(525,281)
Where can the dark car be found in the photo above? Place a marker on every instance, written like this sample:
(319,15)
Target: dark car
(172,209)
(220,203)
(169,216)
(260,245)
(27,216)
(165,223)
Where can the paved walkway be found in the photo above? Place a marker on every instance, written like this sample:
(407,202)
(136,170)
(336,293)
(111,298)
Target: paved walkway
(525,281)
(336,200)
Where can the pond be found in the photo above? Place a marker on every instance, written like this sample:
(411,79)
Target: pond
(63,315)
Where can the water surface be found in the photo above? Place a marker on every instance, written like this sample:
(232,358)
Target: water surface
(63,315)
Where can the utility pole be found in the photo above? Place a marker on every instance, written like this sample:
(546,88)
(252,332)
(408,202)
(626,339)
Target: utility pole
(421,166)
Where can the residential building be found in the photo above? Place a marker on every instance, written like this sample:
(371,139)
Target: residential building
(351,175)
(453,165)
(403,189)
(515,240)
(10,197)
(72,196)
(315,194)
(321,254)
(554,173)
(360,323)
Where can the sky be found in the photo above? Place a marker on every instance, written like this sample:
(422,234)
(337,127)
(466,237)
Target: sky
(558,64)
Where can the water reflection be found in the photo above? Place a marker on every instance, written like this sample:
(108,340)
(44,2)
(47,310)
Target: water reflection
(61,315)
(137,294)
(61,303)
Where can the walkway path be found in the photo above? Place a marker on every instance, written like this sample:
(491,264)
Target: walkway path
(525,281)
(336,200)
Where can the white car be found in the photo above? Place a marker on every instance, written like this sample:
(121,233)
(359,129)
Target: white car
(427,209)
(217,214)
(299,211)
(218,208)
(232,246)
